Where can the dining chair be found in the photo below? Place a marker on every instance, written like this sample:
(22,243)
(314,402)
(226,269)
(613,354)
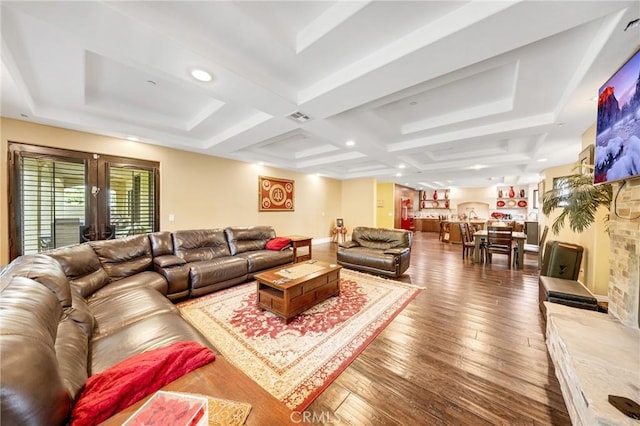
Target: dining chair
(467,240)
(499,241)
(533,248)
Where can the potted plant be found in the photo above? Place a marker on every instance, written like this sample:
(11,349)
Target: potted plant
(579,200)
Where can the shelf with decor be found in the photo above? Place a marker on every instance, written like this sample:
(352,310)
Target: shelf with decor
(437,199)
(512,197)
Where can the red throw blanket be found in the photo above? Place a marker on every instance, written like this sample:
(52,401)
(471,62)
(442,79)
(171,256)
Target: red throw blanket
(125,383)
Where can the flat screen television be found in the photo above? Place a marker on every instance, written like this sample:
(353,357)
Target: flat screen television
(617,152)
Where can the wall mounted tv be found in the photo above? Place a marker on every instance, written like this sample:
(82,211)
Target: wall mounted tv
(617,153)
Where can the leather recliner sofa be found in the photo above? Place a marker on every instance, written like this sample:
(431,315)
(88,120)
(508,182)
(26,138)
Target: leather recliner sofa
(377,250)
(75,311)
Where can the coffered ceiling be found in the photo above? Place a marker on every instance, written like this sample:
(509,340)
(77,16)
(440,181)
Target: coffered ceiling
(433,93)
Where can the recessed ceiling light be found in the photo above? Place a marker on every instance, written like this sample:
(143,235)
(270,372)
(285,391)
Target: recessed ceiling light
(595,98)
(401,166)
(201,75)
(541,160)
(398,174)
(478,167)
(132,139)
(349,143)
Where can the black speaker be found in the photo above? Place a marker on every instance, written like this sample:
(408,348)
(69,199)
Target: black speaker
(561,260)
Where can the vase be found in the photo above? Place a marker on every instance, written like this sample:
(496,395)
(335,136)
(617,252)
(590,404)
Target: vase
(446,194)
(424,195)
(522,193)
(512,193)
(435,194)
(500,193)
(446,203)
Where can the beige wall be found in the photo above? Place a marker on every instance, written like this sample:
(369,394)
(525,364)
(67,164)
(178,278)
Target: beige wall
(204,191)
(594,271)
(384,211)
(359,202)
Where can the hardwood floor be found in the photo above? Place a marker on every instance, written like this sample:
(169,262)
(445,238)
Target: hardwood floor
(469,349)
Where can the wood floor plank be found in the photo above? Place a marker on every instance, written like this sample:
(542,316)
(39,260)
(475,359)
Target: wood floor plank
(469,349)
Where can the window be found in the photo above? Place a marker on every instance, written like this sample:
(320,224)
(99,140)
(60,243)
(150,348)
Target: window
(60,197)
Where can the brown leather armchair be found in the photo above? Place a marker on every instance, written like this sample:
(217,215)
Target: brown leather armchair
(377,250)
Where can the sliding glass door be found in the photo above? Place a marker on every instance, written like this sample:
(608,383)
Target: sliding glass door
(60,197)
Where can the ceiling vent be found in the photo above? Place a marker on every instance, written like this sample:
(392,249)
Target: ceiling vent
(300,117)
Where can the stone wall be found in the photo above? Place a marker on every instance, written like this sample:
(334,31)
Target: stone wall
(624,258)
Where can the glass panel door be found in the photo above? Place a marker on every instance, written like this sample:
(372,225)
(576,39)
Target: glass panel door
(52,204)
(131,200)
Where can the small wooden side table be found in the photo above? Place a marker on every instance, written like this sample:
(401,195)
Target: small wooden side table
(298,241)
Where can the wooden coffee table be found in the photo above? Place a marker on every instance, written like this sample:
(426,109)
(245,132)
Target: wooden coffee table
(291,290)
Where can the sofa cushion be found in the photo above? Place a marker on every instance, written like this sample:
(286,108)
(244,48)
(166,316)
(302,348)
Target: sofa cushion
(380,238)
(32,390)
(368,257)
(248,238)
(124,257)
(117,310)
(161,243)
(134,378)
(148,279)
(82,266)
(201,244)
(152,332)
(278,243)
(46,271)
(72,353)
(202,274)
(265,259)
(80,313)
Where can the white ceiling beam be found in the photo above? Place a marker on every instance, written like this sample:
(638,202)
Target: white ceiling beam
(326,22)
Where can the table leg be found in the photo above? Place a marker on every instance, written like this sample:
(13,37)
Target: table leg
(476,250)
(520,262)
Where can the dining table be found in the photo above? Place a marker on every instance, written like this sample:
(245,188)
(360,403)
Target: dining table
(481,235)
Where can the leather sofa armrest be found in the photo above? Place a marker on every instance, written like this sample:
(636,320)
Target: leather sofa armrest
(168,260)
(349,244)
(397,251)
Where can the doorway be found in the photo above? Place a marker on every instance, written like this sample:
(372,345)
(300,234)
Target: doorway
(60,197)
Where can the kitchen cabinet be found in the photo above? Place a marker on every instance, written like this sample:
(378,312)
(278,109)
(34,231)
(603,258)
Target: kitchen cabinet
(427,224)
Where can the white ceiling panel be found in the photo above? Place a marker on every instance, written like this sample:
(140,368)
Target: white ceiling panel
(461,93)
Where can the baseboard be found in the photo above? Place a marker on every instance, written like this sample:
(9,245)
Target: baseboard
(320,240)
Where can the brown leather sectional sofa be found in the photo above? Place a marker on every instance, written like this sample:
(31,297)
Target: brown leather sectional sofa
(75,311)
(377,250)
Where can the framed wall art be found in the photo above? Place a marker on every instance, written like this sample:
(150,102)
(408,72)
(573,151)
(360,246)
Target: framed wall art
(275,194)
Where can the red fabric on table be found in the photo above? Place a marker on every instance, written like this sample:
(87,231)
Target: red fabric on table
(278,243)
(127,382)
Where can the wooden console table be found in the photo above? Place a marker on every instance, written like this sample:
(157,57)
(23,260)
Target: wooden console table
(220,379)
(298,241)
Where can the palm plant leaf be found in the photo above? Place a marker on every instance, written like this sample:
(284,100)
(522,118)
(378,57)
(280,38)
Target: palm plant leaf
(579,200)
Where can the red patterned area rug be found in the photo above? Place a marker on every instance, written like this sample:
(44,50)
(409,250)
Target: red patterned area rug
(295,362)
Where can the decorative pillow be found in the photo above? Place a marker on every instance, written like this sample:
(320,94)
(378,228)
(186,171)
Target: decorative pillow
(278,243)
(130,380)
